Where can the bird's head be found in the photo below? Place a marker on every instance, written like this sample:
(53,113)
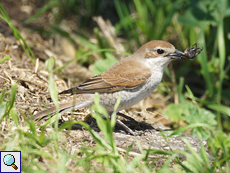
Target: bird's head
(158,53)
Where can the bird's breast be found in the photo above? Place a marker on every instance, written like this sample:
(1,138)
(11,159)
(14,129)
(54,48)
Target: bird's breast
(131,96)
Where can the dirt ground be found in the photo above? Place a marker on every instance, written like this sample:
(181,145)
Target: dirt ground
(32,90)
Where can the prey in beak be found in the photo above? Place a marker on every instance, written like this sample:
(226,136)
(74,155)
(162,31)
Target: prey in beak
(189,53)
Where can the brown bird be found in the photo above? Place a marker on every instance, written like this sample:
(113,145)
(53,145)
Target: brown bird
(134,77)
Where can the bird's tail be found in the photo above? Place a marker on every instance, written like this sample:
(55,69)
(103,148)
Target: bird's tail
(63,107)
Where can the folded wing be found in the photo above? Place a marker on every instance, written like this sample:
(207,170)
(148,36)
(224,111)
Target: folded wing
(125,74)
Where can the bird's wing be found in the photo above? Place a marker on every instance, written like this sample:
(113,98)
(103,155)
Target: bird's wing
(126,74)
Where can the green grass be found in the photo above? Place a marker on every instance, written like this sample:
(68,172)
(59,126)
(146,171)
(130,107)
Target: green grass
(207,113)
(17,35)
(50,147)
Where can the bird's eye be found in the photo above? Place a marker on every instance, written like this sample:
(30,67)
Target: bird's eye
(160,51)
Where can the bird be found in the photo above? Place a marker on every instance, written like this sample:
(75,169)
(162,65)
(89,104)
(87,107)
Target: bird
(133,77)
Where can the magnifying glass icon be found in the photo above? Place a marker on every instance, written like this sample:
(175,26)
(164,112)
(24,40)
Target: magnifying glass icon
(9,160)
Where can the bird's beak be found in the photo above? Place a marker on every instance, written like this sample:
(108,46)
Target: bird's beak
(176,55)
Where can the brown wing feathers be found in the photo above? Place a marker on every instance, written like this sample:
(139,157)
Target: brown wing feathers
(110,81)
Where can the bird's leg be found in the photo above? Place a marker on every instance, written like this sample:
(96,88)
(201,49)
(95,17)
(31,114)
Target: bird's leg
(126,127)
(122,124)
